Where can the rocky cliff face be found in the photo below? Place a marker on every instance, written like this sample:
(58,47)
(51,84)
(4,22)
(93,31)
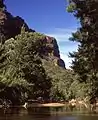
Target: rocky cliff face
(51,51)
(10,26)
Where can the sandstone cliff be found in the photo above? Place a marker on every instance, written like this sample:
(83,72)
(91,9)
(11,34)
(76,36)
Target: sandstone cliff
(51,51)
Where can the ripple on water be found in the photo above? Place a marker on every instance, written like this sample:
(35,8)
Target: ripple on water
(70,118)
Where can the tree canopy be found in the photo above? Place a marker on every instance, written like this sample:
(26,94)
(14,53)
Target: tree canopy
(21,66)
(85,61)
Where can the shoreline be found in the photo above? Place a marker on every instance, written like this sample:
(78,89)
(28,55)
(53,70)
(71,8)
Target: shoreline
(37,105)
(47,105)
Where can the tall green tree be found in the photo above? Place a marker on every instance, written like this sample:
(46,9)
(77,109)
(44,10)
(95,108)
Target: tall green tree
(85,61)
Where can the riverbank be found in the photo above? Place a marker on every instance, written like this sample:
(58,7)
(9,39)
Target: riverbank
(39,105)
(47,105)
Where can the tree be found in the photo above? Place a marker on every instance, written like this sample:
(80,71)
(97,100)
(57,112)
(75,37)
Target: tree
(12,86)
(24,68)
(85,62)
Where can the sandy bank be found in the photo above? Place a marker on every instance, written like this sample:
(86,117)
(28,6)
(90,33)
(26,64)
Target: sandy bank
(51,105)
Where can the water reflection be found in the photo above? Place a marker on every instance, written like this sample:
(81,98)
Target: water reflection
(59,113)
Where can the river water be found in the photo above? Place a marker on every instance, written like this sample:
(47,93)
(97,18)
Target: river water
(45,114)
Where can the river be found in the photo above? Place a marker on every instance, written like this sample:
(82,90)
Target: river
(45,114)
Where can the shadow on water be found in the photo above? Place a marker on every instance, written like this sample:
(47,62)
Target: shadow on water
(44,113)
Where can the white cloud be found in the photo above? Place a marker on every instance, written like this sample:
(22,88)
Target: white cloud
(61,34)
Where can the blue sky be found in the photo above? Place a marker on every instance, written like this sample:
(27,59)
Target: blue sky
(48,17)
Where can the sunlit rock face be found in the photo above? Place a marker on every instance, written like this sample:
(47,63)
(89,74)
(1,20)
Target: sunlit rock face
(51,51)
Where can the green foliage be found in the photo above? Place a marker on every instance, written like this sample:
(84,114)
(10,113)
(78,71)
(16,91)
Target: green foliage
(85,60)
(61,81)
(23,67)
(71,7)
(66,84)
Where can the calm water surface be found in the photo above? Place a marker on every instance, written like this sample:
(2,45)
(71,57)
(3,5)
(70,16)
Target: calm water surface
(45,114)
